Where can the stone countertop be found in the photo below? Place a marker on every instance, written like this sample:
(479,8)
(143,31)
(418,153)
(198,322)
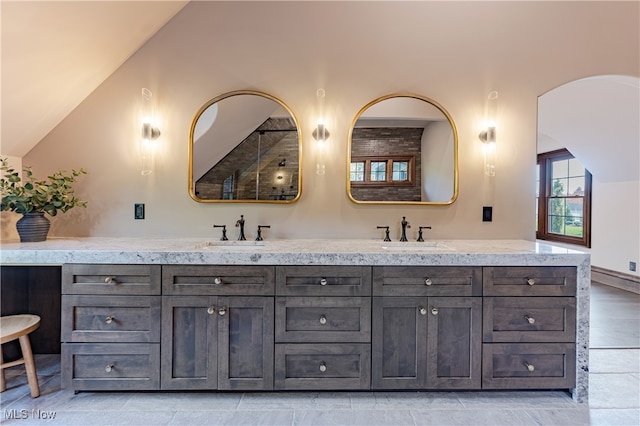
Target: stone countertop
(57,251)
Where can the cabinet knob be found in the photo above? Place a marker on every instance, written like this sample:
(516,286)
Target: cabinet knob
(422,310)
(222,311)
(323,281)
(323,366)
(108,368)
(529,319)
(427,281)
(531,281)
(434,311)
(530,367)
(211,310)
(108,320)
(323,319)
(110,280)
(217,280)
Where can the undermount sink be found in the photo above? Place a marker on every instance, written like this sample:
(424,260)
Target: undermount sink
(414,246)
(231,245)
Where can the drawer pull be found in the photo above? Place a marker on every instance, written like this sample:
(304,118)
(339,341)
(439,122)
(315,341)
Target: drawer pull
(531,281)
(109,320)
(423,310)
(530,367)
(110,280)
(323,319)
(427,281)
(323,281)
(323,366)
(211,310)
(222,311)
(217,281)
(108,368)
(434,311)
(529,319)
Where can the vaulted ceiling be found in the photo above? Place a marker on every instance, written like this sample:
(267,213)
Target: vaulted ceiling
(55,53)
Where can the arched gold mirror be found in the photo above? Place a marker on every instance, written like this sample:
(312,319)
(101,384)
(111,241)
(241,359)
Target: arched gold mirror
(403,149)
(244,146)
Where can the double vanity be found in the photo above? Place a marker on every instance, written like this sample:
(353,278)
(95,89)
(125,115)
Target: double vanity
(145,314)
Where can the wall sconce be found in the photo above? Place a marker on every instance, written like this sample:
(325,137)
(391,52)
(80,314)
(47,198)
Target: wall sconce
(150,133)
(320,134)
(489,136)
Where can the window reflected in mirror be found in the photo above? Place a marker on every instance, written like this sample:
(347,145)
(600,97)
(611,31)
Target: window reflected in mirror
(403,149)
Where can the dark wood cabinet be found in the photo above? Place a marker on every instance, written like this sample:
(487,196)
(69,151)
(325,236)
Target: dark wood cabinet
(529,327)
(110,327)
(212,339)
(317,327)
(426,342)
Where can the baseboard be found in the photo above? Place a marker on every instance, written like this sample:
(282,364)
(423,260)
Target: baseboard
(616,279)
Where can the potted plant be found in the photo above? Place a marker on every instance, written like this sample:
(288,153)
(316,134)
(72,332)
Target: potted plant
(33,198)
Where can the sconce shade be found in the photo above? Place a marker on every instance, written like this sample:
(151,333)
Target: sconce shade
(149,132)
(320,133)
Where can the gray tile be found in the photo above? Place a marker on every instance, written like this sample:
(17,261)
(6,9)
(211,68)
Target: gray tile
(251,417)
(608,417)
(184,401)
(328,416)
(571,416)
(404,400)
(614,360)
(295,400)
(614,390)
(516,399)
(471,417)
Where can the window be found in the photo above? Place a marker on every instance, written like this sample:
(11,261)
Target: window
(563,199)
(388,171)
(357,171)
(227,188)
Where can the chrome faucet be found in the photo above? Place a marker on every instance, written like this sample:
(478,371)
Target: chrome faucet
(405,225)
(259,237)
(386,232)
(420,228)
(224,232)
(240,224)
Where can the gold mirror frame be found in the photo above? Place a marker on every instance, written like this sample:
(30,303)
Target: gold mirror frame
(216,100)
(455,152)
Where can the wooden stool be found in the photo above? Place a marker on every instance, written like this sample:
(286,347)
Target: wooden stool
(18,327)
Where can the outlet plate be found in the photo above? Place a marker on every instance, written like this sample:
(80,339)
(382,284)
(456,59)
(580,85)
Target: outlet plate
(138,211)
(632,266)
(487,214)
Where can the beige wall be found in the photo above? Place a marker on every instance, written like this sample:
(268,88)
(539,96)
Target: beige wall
(452,52)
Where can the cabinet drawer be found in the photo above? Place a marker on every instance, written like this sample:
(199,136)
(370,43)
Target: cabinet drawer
(218,280)
(110,279)
(529,281)
(528,365)
(323,319)
(111,366)
(427,281)
(529,319)
(322,366)
(323,281)
(111,319)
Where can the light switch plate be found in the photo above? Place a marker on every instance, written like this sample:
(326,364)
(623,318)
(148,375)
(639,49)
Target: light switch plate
(138,211)
(487,214)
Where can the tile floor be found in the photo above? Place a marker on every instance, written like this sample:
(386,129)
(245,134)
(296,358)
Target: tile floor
(614,394)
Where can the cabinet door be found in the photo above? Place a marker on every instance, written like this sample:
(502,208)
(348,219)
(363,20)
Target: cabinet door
(246,339)
(454,343)
(189,342)
(399,342)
